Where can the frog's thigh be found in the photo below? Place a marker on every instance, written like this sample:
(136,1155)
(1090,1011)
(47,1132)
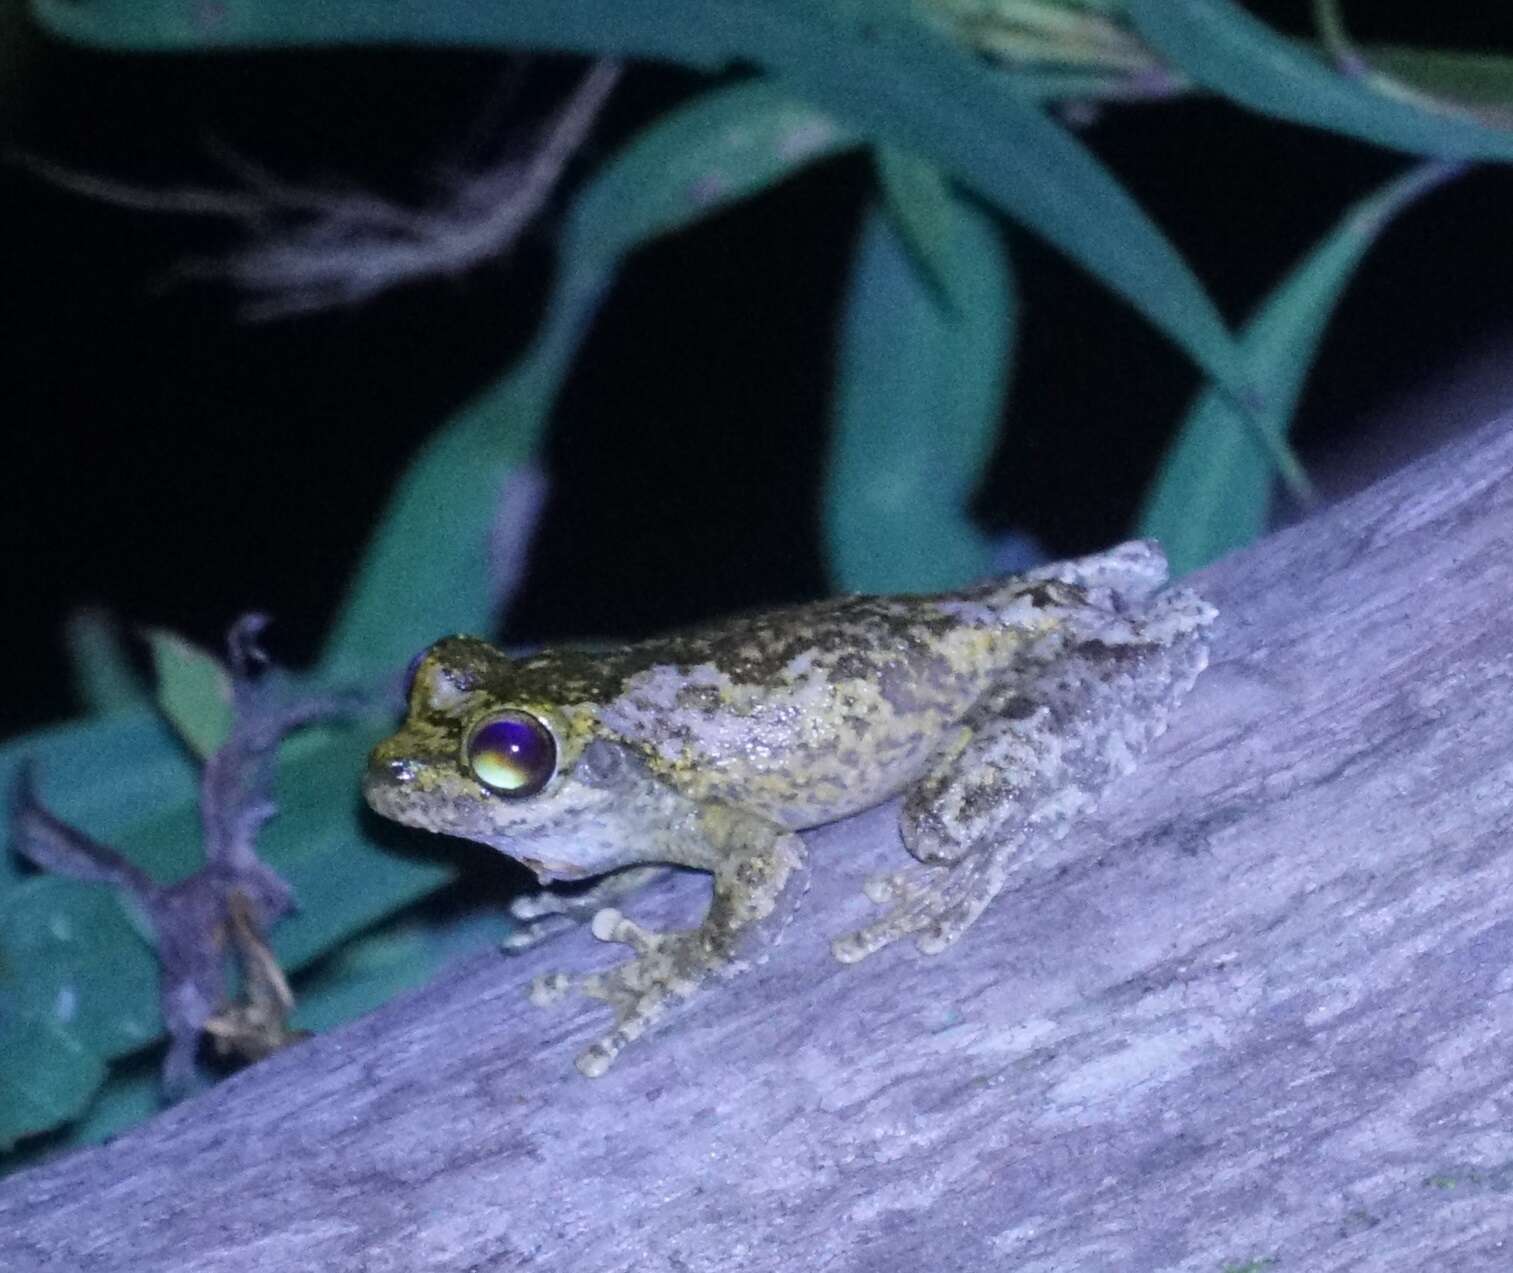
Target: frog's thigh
(1021,777)
(759,878)
(985,777)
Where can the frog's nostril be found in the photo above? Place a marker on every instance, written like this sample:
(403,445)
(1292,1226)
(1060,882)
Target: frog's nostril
(383,770)
(399,770)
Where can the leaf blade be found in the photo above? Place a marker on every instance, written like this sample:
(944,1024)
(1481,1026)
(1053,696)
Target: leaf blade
(193,691)
(1212,491)
(919,395)
(873,67)
(1239,57)
(429,569)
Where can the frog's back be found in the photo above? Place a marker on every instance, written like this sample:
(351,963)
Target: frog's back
(812,712)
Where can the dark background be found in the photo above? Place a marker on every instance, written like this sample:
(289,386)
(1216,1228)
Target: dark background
(178,465)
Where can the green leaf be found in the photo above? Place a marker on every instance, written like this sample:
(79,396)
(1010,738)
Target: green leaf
(1474,78)
(193,691)
(427,571)
(679,30)
(1226,50)
(892,78)
(131,1094)
(1213,489)
(724,146)
(919,200)
(69,952)
(106,775)
(104,679)
(920,392)
(47,1077)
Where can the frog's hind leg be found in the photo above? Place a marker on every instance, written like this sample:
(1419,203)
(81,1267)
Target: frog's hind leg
(759,878)
(1032,756)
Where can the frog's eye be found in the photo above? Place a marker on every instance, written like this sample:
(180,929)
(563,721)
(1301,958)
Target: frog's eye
(512,753)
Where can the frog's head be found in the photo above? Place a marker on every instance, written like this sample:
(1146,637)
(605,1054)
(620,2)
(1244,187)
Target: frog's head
(504,751)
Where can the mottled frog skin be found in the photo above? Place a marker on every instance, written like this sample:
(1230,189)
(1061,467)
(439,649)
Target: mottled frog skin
(1000,711)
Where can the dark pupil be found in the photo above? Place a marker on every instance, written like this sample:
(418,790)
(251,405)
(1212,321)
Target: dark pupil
(512,754)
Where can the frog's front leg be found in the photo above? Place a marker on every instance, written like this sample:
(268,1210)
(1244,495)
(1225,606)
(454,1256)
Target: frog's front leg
(759,877)
(547,913)
(1030,757)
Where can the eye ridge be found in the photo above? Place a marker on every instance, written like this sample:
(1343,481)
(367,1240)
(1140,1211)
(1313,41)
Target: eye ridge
(512,752)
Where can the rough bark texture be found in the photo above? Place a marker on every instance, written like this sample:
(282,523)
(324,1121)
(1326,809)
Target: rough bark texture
(1256,1009)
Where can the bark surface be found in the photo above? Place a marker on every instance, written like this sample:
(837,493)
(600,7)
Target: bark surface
(1256,1008)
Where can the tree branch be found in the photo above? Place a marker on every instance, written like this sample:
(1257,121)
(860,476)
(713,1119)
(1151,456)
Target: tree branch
(1257,1008)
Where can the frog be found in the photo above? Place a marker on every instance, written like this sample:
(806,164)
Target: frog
(998,712)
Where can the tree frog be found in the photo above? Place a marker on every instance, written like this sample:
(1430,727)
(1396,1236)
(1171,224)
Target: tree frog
(999,712)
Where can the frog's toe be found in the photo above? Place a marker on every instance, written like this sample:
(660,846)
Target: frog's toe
(610,925)
(900,921)
(548,912)
(667,968)
(636,1006)
(947,922)
(535,931)
(550,987)
(935,906)
(889,886)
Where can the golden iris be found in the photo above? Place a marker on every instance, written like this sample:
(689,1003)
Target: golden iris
(512,753)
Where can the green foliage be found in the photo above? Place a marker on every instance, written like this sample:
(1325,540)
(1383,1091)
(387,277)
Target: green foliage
(920,202)
(78,982)
(1214,486)
(48,1078)
(870,66)
(1226,50)
(959,142)
(1473,79)
(104,679)
(920,388)
(194,691)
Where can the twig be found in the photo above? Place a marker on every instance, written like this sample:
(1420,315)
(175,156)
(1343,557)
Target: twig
(234,896)
(315,248)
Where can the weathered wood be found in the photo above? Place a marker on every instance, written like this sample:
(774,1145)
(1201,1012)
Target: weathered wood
(1258,1007)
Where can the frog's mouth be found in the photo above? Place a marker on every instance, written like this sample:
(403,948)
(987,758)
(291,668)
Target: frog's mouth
(546,872)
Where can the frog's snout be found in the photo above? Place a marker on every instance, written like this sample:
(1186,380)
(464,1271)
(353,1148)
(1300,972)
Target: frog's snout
(386,776)
(380,770)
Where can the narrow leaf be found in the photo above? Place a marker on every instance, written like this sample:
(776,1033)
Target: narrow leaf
(104,774)
(104,679)
(1213,489)
(1475,78)
(919,395)
(428,569)
(193,691)
(722,147)
(1232,53)
(919,200)
(872,67)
